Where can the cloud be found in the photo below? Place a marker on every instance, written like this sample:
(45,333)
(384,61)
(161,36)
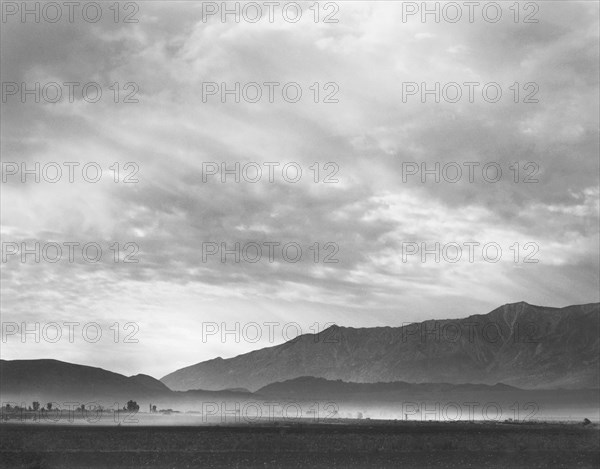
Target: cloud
(370,135)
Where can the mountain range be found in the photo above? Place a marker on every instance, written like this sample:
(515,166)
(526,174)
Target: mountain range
(67,385)
(517,352)
(57,381)
(518,344)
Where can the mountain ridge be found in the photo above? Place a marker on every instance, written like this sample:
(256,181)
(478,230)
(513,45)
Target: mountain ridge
(560,352)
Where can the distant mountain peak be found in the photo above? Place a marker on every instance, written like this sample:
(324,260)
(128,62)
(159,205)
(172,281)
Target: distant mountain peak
(518,303)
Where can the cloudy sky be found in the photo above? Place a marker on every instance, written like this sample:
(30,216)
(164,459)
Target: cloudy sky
(370,217)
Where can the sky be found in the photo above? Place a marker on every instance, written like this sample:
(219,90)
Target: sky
(355,208)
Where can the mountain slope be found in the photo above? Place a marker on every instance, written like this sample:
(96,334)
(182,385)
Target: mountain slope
(440,401)
(61,381)
(518,344)
(25,381)
(307,388)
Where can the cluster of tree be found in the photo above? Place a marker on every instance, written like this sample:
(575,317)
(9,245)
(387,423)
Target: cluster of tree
(35,406)
(131,406)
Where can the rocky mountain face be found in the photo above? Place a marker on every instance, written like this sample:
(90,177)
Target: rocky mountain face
(517,344)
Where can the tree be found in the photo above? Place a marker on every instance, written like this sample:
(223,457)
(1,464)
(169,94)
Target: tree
(36,405)
(153,408)
(132,406)
(49,406)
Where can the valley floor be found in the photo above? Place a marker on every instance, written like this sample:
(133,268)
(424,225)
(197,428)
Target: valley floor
(348,445)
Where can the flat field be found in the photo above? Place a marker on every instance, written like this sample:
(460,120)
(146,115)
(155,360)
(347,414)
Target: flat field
(380,444)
